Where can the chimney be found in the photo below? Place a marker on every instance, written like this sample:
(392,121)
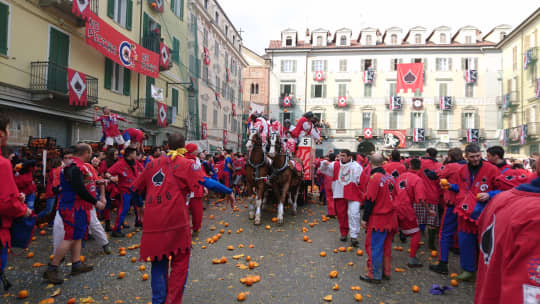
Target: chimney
(307,32)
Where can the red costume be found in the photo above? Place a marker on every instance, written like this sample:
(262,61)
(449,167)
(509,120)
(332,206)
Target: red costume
(395,168)
(135,135)
(450,172)
(410,190)
(53,181)
(109,124)
(433,189)
(511,178)
(25,182)
(509,240)
(126,176)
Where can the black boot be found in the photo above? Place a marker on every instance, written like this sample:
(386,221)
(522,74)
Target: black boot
(5,281)
(441,268)
(432,238)
(108,226)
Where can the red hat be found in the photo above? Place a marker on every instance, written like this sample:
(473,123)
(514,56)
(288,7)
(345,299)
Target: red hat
(191,147)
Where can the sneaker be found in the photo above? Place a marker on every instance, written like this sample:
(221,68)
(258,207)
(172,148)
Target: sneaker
(369,280)
(441,268)
(117,234)
(343,238)
(53,276)
(354,242)
(107,249)
(81,268)
(414,263)
(466,276)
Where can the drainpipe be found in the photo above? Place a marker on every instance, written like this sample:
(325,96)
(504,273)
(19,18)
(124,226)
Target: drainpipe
(140,43)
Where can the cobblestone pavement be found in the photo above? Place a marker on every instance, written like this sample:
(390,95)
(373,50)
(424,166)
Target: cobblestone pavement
(291,269)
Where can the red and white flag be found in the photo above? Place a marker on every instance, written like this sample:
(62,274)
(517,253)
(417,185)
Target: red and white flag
(81,8)
(410,76)
(342,101)
(204,131)
(473,135)
(319,76)
(165,56)
(77,88)
(225,141)
(368,133)
(206,55)
(162,115)
(286,101)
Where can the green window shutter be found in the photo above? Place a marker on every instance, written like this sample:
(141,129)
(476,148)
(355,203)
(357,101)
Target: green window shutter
(127,81)
(108,73)
(324,91)
(4,16)
(146,26)
(182,10)
(176,51)
(312,91)
(110,8)
(172,6)
(129,14)
(175,99)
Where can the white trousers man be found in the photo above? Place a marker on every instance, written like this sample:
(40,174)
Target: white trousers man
(95,229)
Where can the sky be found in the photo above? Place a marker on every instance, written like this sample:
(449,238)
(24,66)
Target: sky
(262,21)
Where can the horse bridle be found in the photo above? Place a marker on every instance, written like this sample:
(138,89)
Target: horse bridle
(258,165)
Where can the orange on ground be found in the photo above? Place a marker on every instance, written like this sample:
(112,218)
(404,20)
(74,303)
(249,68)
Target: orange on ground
(121,275)
(230,247)
(323,254)
(211,216)
(23,294)
(251,265)
(453,275)
(248,258)
(241,297)
(306,238)
(133,259)
(43,232)
(359,252)
(342,249)
(72,301)
(30,255)
(142,268)
(434,253)
(358,297)
(336,287)
(454,282)
(415,288)
(333,274)
(223,260)
(145,277)
(274,219)
(122,253)
(83,258)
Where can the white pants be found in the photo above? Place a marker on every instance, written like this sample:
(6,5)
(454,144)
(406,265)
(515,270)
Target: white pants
(95,229)
(109,141)
(353,213)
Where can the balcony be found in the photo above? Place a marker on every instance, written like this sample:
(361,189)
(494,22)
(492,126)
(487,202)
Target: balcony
(348,133)
(509,101)
(534,129)
(348,102)
(427,132)
(145,109)
(64,7)
(48,78)
(451,104)
(463,133)
(532,54)
(387,103)
(151,42)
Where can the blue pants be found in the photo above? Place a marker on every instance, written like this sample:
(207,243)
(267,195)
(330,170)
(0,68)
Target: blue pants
(377,251)
(169,285)
(159,273)
(48,207)
(448,230)
(3,257)
(125,203)
(30,199)
(467,251)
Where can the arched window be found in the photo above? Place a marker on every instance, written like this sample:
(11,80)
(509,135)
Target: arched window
(256,88)
(442,38)
(343,40)
(393,39)
(252,91)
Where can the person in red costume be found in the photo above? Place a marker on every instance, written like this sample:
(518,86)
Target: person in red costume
(327,182)
(78,199)
(195,199)
(509,243)
(495,155)
(109,126)
(395,167)
(167,181)
(430,168)
(135,138)
(476,181)
(449,222)
(410,190)
(380,222)
(11,202)
(24,179)
(52,188)
(111,190)
(306,127)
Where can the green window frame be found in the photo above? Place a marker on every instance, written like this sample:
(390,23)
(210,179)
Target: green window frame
(111,5)
(177,7)
(174,97)
(175,56)
(126,85)
(4,28)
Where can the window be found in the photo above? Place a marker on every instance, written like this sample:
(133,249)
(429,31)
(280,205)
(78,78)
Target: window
(469,90)
(470,63)
(514,120)
(175,52)
(215,119)
(342,89)
(177,7)
(392,89)
(288,66)
(224,89)
(318,65)
(318,91)
(367,89)
(341,124)
(368,63)
(417,38)
(393,39)
(254,88)
(443,64)
(444,120)
(393,64)
(4,28)
(368,39)
(117,78)
(287,89)
(443,89)
(366,120)
(393,120)
(417,120)
(224,121)
(343,65)
(216,19)
(226,30)
(514,58)
(468,120)
(233,125)
(468,39)
(174,100)
(288,41)
(233,39)
(319,40)
(226,60)
(442,38)
(206,4)
(503,34)
(343,40)
(204,110)
(121,12)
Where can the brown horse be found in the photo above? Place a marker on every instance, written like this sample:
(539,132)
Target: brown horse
(285,180)
(256,174)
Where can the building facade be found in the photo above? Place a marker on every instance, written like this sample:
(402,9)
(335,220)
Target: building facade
(521,94)
(217,60)
(255,79)
(348,81)
(40,39)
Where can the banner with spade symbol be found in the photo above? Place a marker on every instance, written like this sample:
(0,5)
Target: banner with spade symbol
(77,88)
(410,76)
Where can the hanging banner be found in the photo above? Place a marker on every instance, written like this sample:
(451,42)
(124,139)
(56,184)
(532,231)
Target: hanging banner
(81,8)
(225,140)
(395,139)
(162,115)
(77,88)
(410,76)
(120,49)
(204,131)
(304,153)
(165,56)
(156,93)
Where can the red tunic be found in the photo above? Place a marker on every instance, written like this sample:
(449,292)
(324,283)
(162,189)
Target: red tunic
(509,259)
(511,178)
(111,188)
(382,192)
(167,183)
(433,189)
(394,168)
(504,167)
(450,172)
(349,180)
(484,181)
(135,135)
(300,127)
(126,174)
(410,189)
(25,182)
(89,179)
(53,180)
(10,205)
(109,124)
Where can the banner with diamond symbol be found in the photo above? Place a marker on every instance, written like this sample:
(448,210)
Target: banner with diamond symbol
(77,88)
(162,115)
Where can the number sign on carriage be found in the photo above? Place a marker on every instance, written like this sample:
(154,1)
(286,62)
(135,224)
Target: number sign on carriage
(304,153)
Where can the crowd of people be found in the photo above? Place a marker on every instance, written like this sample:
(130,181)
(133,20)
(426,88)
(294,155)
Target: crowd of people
(485,210)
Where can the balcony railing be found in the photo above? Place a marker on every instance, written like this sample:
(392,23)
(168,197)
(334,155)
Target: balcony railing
(463,133)
(348,102)
(293,102)
(53,78)
(65,6)
(151,41)
(534,129)
(510,100)
(438,102)
(146,109)
(348,133)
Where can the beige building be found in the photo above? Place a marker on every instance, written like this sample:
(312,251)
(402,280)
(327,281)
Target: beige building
(40,39)
(255,88)
(521,95)
(343,58)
